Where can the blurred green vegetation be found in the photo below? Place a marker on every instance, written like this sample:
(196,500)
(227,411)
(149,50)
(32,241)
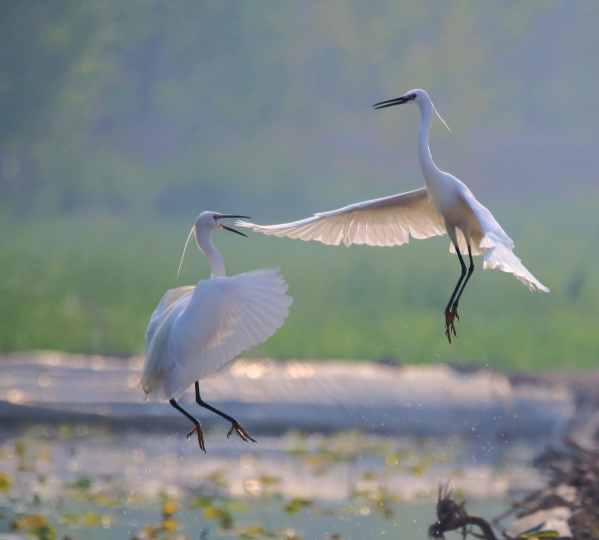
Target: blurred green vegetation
(90,287)
(120,122)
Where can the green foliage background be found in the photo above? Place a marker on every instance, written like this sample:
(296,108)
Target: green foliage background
(120,122)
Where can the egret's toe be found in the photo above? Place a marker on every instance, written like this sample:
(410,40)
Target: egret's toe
(449,322)
(200,433)
(240,431)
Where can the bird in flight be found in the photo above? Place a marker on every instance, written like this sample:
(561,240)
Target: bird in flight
(195,330)
(444,206)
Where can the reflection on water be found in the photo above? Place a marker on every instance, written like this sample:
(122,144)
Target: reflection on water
(88,482)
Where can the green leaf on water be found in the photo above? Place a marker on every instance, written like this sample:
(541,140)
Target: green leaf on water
(320,511)
(540,534)
(69,519)
(45,532)
(254,532)
(294,506)
(20,448)
(218,477)
(28,522)
(222,515)
(201,502)
(90,519)
(5,483)
(236,506)
(82,484)
(384,511)
(269,480)
(170,525)
(169,508)
(86,519)
(226,521)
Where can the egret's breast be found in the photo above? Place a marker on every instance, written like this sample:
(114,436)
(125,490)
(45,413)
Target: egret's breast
(448,204)
(457,212)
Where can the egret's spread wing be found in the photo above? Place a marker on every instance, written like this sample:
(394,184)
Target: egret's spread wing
(204,330)
(496,245)
(381,222)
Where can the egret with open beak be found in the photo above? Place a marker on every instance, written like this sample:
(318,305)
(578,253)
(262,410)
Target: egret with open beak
(195,330)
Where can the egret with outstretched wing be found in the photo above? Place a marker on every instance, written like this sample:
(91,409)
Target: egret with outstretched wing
(196,330)
(444,206)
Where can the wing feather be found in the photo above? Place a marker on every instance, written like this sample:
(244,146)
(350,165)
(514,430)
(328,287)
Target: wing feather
(330,231)
(370,231)
(245,334)
(208,325)
(352,229)
(249,322)
(388,239)
(401,235)
(261,321)
(312,231)
(361,230)
(379,233)
(381,222)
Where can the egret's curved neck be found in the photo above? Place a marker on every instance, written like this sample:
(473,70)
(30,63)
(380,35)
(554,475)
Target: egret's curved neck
(214,257)
(424,153)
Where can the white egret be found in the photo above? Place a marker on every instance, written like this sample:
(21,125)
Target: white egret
(196,330)
(444,206)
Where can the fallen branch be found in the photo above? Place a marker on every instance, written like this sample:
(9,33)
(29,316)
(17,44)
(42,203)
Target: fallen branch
(452,516)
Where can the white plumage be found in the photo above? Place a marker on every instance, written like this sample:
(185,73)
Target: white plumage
(444,206)
(196,330)
(381,222)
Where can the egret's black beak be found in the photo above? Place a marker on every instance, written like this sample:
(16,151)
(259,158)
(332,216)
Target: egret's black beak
(396,101)
(229,228)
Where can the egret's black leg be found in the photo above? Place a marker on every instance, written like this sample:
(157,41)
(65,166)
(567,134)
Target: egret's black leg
(451,313)
(235,425)
(470,271)
(464,271)
(198,427)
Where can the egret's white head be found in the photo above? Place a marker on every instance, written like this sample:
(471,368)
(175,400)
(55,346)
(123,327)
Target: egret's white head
(204,224)
(207,221)
(417,96)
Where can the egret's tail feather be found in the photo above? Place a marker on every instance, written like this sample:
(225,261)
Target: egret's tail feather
(162,383)
(496,245)
(502,258)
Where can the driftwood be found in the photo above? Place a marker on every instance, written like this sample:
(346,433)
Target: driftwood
(568,504)
(452,516)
